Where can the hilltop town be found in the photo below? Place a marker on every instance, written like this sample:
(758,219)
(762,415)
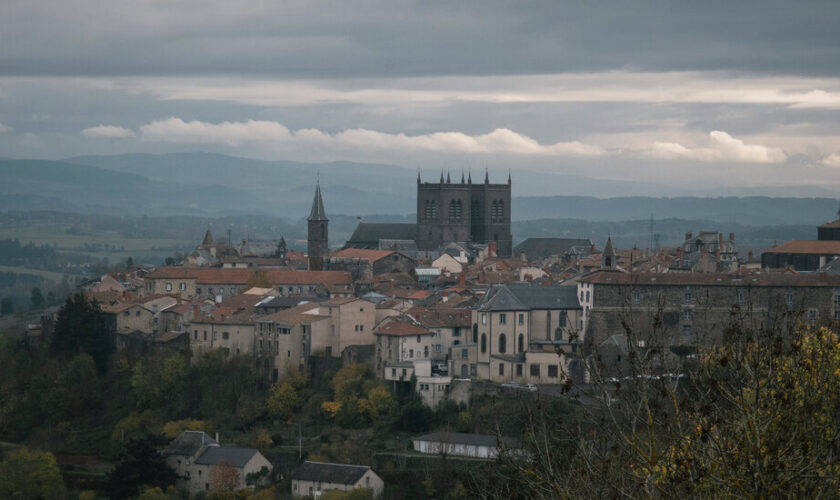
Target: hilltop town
(429,334)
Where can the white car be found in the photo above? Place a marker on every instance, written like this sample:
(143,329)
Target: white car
(530,387)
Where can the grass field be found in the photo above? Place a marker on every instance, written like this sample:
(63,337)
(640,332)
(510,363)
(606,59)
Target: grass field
(49,275)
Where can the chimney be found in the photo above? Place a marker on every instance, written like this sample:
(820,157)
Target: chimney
(688,236)
(732,237)
(217,437)
(195,312)
(491,249)
(462,278)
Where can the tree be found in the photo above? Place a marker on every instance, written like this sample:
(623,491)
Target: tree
(6,306)
(35,474)
(224,476)
(140,464)
(283,400)
(378,404)
(36,298)
(259,279)
(82,327)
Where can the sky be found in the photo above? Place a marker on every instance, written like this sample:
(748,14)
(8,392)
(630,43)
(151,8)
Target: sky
(706,95)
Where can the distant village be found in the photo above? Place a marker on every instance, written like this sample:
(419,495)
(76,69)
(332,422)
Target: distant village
(449,302)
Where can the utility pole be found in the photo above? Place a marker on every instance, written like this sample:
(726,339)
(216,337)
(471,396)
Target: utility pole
(300,443)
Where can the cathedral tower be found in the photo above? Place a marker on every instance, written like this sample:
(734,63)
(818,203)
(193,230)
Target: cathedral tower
(318,235)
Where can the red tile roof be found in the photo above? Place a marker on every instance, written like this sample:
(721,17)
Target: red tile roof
(819,247)
(682,279)
(360,253)
(401,328)
(421,294)
(242,276)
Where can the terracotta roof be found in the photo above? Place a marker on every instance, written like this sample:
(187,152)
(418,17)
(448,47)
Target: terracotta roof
(401,328)
(441,317)
(124,306)
(241,276)
(359,253)
(682,279)
(821,247)
(421,294)
(294,315)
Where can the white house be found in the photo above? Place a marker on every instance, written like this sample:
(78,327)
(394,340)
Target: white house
(462,444)
(314,478)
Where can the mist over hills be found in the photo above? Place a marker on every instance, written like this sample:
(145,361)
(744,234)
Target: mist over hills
(213,186)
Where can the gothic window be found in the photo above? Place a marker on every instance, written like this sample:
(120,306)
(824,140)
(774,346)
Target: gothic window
(497,211)
(483,343)
(430,209)
(502,343)
(475,209)
(521,343)
(455,209)
(323,230)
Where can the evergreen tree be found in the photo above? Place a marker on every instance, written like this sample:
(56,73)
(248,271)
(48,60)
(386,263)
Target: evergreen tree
(82,327)
(37,298)
(140,464)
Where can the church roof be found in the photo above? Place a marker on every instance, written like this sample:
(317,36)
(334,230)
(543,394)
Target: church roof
(208,239)
(318,212)
(540,248)
(368,234)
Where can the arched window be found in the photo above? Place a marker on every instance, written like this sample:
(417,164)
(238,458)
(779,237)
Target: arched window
(323,230)
(521,343)
(475,209)
(497,211)
(502,343)
(475,333)
(483,343)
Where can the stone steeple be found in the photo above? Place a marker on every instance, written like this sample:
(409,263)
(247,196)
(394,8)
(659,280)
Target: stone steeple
(608,257)
(208,239)
(318,232)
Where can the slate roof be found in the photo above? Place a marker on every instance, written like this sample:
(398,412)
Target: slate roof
(460,438)
(330,473)
(540,248)
(526,297)
(834,223)
(235,455)
(318,212)
(188,443)
(368,234)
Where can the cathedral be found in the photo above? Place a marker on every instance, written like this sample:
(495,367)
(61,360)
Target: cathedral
(448,212)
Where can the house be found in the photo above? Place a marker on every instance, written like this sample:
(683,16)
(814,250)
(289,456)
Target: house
(709,251)
(313,478)
(447,264)
(399,342)
(451,326)
(198,460)
(364,264)
(285,340)
(802,255)
(232,332)
(519,329)
(219,283)
(462,444)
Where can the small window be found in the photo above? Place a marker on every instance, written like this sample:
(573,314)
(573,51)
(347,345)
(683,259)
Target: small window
(812,317)
(225,335)
(688,315)
(587,296)
(521,319)
(502,318)
(182,286)
(465,354)
(789,299)
(195,335)
(483,318)
(518,370)
(501,368)
(687,295)
(411,353)
(535,370)
(502,343)
(418,339)
(198,291)
(168,286)
(686,329)
(393,372)
(739,296)
(637,297)
(483,343)
(552,371)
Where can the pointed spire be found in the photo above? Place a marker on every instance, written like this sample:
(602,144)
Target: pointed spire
(608,257)
(462,176)
(486,176)
(418,176)
(318,212)
(508,177)
(469,177)
(208,238)
(441,176)
(448,180)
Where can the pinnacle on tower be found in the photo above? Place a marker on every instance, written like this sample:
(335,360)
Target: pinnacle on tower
(448,180)
(441,176)
(486,176)
(469,177)
(462,176)
(318,212)
(208,238)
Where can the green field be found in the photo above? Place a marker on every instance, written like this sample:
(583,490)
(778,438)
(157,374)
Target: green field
(48,275)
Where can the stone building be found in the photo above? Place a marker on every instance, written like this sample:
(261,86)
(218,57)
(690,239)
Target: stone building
(363,264)
(694,309)
(519,330)
(318,248)
(314,478)
(463,212)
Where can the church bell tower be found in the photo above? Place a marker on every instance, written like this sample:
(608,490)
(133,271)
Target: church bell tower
(318,235)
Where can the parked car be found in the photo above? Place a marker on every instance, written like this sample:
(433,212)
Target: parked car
(530,387)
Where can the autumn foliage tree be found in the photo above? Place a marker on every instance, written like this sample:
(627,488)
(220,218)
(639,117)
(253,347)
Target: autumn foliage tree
(224,476)
(755,416)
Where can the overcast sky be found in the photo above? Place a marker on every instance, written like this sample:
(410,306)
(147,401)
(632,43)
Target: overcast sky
(740,93)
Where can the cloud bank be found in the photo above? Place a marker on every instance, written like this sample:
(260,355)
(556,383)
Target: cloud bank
(500,140)
(110,131)
(722,148)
